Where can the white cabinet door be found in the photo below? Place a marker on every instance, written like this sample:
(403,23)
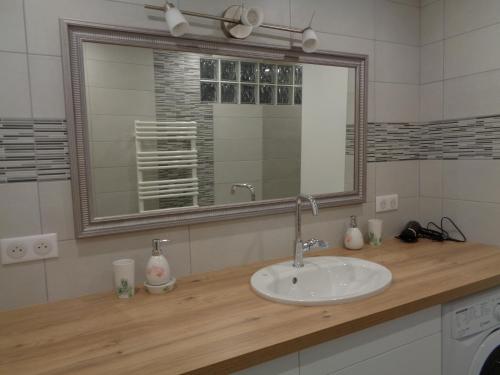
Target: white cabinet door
(417,358)
(335,355)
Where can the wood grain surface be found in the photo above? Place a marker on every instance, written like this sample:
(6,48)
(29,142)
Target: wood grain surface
(213,323)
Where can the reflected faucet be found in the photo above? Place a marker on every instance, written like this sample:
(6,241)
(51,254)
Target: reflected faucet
(244,185)
(300,246)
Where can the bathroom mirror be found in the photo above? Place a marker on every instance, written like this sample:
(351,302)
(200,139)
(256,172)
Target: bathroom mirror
(168,131)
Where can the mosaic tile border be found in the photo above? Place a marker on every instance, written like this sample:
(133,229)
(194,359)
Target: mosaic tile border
(37,150)
(33,150)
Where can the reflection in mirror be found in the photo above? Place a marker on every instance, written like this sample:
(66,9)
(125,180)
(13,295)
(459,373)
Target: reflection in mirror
(170,129)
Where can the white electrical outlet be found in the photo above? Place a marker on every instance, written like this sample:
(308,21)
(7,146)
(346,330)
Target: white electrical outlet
(386,203)
(29,248)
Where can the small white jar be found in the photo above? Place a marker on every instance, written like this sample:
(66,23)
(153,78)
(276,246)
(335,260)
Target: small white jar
(353,239)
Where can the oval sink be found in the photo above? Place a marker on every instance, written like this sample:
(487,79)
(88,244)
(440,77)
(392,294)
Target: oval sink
(322,280)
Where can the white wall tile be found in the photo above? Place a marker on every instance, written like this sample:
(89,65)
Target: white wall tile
(478,221)
(19,205)
(12,35)
(397,23)
(230,243)
(14,90)
(431,176)
(396,63)
(473,52)
(56,208)
(431,101)
(394,221)
(42,19)
(430,209)
(431,62)
(344,17)
(370,182)
(47,87)
(341,43)
(22,284)
(395,102)
(474,180)
(84,266)
(465,15)
(397,177)
(474,95)
(431,22)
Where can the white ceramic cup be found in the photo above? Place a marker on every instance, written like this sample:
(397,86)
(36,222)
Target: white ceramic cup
(124,270)
(375,232)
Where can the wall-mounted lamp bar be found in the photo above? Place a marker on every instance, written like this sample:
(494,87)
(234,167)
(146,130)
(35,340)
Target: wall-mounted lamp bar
(237,22)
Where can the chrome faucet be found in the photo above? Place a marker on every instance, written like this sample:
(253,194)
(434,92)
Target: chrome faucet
(300,246)
(244,185)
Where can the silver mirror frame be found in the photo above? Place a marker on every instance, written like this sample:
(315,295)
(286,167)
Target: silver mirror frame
(75,33)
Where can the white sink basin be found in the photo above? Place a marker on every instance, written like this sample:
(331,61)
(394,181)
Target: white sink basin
(322,280)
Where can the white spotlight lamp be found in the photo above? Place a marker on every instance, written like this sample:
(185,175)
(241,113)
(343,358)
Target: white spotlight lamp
(252,17)
(310,42)
(177,24)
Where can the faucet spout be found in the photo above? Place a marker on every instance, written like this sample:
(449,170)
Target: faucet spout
(300,247)
(250,188)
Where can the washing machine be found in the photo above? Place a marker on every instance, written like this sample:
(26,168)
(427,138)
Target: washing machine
(471,335)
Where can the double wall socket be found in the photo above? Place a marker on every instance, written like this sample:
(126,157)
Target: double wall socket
(386,203)
(25,249)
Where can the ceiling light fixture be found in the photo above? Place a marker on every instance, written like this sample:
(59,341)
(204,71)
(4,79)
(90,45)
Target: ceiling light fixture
(237,22)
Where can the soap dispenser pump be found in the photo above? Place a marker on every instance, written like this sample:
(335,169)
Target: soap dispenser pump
(158,269)
(353,239)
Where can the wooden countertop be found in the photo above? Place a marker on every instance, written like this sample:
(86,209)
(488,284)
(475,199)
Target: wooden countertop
(214,324)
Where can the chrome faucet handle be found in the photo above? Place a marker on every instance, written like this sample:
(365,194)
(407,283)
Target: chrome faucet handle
(314,243)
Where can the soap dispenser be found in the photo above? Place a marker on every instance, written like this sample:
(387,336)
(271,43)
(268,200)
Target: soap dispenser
(353,239)
(158,269)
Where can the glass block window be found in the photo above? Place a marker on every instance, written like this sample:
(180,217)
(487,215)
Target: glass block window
(248,94)
(248,72)
(284,95)
(249,82)
(208,69)
(266,94)
(229,93)
(208,91)
(285,74)
(228,70)
(297,96)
